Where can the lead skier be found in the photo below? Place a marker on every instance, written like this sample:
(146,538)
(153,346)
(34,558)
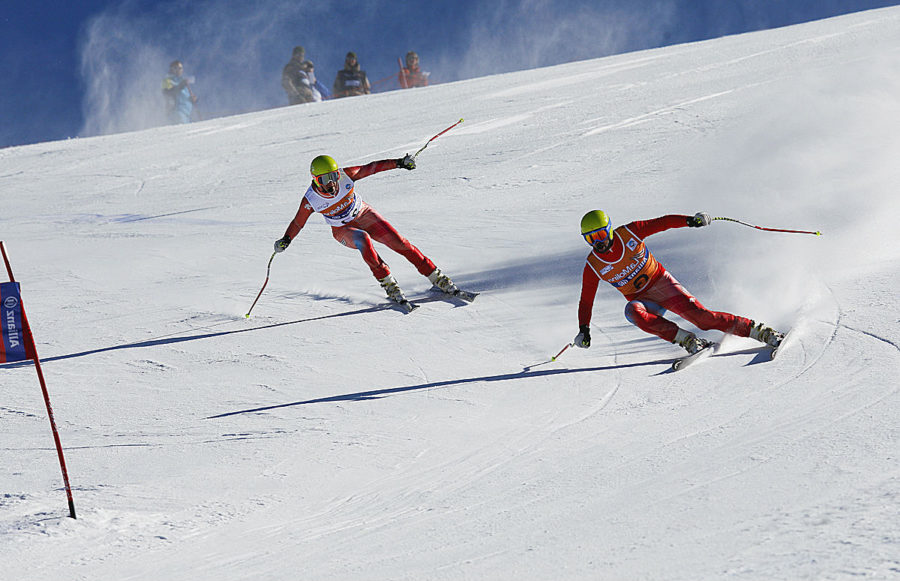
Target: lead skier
(354,223)
(620,257)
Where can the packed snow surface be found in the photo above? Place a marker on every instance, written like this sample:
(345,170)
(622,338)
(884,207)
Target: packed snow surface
(328,437)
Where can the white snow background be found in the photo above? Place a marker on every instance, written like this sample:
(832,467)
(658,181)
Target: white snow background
(328,438)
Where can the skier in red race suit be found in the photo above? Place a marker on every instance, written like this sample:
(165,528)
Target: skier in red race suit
(621,258)
(355,224)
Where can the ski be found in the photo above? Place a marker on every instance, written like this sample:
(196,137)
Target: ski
(464,295)
(777,348)
(700,355)
(404,306)
(457,294)
(407,306)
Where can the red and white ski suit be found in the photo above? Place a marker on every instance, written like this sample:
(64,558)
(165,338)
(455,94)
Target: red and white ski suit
(354,223)
(649,288)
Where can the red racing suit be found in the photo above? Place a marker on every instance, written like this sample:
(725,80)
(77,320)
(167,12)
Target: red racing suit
(354,223)
(649,288)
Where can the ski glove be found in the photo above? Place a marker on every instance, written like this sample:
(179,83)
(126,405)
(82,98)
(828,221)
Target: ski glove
(407,162)
(699,219)
(282,243)
(583,338)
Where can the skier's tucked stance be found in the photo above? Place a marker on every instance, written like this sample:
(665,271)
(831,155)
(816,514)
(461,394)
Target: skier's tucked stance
(621,258)
(354,223)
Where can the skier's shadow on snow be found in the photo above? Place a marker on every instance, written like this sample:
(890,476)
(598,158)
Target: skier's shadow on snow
(527,373)
(172,339)
(380,393)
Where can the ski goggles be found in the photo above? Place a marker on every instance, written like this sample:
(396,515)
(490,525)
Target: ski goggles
(326,178)
(598,235)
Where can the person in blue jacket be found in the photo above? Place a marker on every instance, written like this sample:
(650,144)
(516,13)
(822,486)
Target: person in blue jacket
(315,85)
(180,98)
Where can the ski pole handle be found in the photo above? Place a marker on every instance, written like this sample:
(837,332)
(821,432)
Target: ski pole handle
(817,233)
(268,270)
(436,136)
(555,357)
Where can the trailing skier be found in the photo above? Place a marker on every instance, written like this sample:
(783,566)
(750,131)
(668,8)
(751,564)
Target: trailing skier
(621,258)
(355,224)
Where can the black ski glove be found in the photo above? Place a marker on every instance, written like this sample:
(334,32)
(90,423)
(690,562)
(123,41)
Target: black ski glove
(583,338)
(699,219)
(407,162)
(282,243)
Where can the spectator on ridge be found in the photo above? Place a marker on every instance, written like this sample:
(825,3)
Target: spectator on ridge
(411,75)
(180,98)
(294,79)
(319,91)
(351,81)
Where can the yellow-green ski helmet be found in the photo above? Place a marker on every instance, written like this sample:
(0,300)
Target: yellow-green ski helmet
(322,164)
(596,227)
(325,173)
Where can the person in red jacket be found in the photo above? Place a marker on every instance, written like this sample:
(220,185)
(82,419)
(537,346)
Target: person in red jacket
(621,258)
(355,224)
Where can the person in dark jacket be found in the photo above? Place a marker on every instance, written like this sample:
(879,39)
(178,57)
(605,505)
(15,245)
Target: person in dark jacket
(351,81)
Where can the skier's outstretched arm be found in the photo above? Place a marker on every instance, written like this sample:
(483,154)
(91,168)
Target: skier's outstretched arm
(589,283)
(644,228)
(303,214)
(358,172)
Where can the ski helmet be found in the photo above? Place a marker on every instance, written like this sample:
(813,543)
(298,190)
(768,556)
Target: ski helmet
(596,227)
(325,173)
(322,164)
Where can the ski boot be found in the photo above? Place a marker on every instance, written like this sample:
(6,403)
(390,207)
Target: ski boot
(392,289)
(765,334)
(443,282)
(690,342)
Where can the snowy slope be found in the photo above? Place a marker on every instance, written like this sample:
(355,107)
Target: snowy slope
(326,438)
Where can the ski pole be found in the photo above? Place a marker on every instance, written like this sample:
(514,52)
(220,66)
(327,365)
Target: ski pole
(268,270)
(817,233)
(555,357)
(403,83)
(436,136)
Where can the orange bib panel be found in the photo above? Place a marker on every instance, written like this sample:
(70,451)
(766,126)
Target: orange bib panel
(635,268)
